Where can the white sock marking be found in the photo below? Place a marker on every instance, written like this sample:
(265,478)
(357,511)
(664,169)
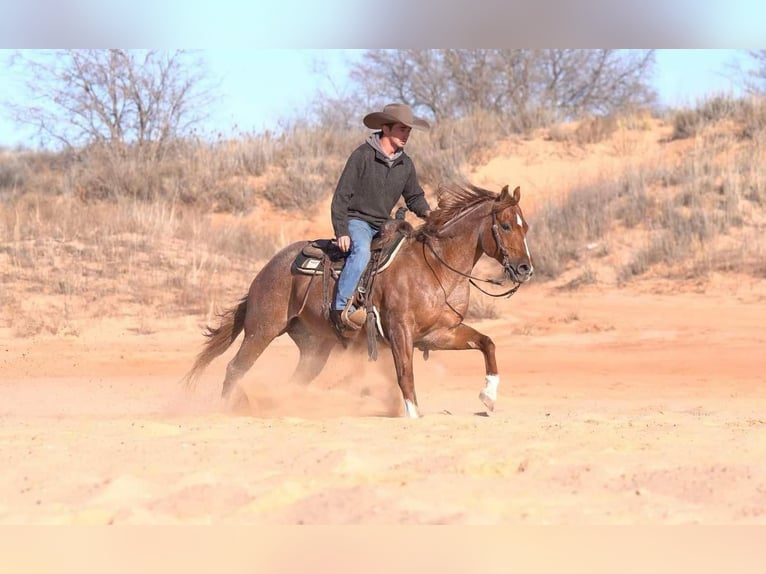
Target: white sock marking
(410,410)
(490,386)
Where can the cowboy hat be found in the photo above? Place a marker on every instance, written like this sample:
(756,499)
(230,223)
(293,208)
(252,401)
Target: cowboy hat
(393,113)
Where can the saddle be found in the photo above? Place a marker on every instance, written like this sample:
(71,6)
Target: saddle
(323,257)
(321,253)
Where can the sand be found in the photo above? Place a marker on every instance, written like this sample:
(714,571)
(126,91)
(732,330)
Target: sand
(617,406)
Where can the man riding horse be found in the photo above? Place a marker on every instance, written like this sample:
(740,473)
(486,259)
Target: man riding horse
(421,300)
(377,174)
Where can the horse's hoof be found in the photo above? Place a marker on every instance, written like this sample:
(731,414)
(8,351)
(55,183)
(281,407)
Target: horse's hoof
(487,401)
(238,403)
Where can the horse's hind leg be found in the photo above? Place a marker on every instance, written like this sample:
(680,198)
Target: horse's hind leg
(260,331)
(251,348)
(314,352)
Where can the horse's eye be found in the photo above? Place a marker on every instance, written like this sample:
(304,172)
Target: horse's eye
(506,226)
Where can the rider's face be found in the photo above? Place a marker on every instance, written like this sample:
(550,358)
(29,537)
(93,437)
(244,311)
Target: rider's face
(398,134)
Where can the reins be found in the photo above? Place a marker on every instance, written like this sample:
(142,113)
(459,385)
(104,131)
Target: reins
(471,279)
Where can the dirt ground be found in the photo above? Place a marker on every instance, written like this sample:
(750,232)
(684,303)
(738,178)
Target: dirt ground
(638,405)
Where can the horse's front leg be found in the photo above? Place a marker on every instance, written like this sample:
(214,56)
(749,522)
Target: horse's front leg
(464,337)
(402,350)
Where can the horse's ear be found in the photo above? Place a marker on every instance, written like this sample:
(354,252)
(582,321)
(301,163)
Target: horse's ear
(505,195)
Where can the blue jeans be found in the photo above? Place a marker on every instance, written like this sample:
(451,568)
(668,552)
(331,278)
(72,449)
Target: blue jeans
(361,234)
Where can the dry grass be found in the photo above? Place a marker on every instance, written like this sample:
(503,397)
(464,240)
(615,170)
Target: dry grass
(482,307)
(747,115)
(447,151)
(114,258)
(88,234)
(562,229)
(718,194)
(685,209)
(586,277)
(590,130)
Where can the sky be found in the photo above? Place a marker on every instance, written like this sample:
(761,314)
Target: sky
(262,87)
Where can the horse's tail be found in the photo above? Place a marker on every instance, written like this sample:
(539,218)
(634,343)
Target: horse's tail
(220,338)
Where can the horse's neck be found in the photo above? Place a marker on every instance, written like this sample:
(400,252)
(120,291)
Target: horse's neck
(461,249)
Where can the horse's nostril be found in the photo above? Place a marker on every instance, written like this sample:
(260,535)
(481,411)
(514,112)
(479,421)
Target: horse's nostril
(524,269)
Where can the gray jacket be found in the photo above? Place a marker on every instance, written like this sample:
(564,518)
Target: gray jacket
(368,188)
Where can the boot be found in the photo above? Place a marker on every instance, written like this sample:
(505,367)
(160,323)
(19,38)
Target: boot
(353,318)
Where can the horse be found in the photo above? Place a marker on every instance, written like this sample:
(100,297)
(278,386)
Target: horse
(420,300)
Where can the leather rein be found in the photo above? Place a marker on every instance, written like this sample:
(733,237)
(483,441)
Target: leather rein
(471,279)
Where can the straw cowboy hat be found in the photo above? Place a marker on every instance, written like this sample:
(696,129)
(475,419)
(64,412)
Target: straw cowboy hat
(394,113)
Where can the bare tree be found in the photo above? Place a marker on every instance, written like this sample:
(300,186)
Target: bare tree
(140,99)
(527,86)
(755,75)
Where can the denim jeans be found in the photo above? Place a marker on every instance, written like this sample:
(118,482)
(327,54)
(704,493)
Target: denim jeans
(361,234)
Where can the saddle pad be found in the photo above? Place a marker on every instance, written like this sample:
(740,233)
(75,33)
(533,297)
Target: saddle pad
(310,259)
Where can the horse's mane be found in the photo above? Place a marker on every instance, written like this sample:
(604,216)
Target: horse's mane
(454,200)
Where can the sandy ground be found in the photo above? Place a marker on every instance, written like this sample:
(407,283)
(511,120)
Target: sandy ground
(638,406)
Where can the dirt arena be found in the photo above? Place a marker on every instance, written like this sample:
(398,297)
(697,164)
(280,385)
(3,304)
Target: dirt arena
(639,405)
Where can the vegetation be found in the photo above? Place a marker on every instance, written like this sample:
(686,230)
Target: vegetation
(527,88)
(166,219)
(113,98)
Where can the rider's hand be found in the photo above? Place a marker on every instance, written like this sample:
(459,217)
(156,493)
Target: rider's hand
(344,243)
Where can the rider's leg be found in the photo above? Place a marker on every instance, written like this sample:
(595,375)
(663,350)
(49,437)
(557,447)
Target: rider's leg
(361,234)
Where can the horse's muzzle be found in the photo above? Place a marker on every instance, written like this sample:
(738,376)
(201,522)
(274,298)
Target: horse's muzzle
(520,273)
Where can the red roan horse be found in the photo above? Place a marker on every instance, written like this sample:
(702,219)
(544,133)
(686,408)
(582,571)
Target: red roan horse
(421,298)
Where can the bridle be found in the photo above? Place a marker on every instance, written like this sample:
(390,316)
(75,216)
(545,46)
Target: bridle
(471,279)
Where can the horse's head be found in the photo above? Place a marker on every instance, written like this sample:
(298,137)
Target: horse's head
(505,239)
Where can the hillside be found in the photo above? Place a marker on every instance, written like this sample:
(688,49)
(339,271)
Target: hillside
(627,207)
